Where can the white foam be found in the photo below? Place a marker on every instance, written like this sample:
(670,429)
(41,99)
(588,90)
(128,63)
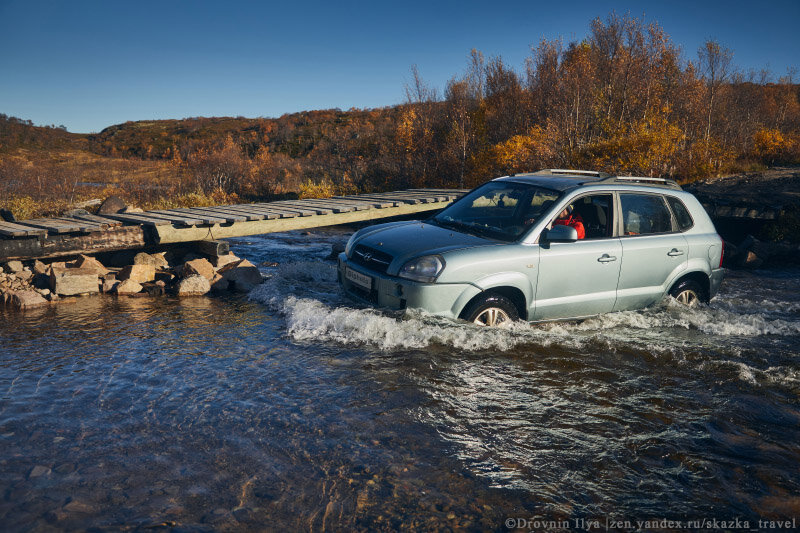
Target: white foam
(307,294)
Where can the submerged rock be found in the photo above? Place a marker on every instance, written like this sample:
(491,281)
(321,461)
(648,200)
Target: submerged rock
(194,285)
(128,286)
(27,299)
(244,275)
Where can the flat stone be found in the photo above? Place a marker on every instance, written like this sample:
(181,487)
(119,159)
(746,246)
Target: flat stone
(14,266)
(25,275)
(138,273)
(194,285)
(222,260)
(128,287)
(73,281)
(77,506)
(244,275)
(28,299)
(200,267)
(111,205)
(157,260)
(87,262)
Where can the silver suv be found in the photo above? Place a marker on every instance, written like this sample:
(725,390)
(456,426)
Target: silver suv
(553,244)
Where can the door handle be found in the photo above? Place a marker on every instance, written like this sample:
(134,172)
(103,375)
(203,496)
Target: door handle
(675,252)
(605,258)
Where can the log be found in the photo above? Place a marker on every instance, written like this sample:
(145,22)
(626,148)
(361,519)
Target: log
(211,248)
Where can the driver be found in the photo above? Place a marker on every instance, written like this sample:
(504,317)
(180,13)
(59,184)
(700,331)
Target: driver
(568,217)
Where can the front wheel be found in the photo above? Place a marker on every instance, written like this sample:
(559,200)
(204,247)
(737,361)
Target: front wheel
(688,292)
(491,310)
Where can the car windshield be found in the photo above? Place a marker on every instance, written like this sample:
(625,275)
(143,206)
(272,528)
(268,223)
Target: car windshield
(501,210)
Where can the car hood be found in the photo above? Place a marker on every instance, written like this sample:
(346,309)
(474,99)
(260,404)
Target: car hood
(406,240)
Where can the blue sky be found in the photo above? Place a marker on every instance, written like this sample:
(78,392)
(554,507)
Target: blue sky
(88,65)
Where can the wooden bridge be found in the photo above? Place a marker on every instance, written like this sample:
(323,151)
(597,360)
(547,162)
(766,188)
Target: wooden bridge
(84,234)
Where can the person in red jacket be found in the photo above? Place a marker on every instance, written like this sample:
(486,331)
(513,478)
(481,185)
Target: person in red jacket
(568,218)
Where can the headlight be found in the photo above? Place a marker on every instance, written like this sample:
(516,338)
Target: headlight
(349,246)
(424,269)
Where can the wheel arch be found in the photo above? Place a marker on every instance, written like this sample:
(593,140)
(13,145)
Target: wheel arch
(514,294)
(698,276)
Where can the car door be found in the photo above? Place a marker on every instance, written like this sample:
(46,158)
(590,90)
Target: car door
(580,278)
(652,251)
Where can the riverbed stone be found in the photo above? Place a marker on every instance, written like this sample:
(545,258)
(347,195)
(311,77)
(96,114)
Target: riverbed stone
(25,275)
(244,275)
(128,286)
(199,266)
(111,205)
(14,266)
(157,260)
(138,273)
(194,285)
(219,283)
(38,471)
(88,262)
(73,281)
(109,285)
(28,299)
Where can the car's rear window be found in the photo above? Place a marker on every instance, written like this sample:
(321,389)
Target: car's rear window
(644,214)
(681,213)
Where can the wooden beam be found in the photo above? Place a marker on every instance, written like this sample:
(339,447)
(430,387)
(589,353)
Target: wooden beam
(122,238)
(11,229)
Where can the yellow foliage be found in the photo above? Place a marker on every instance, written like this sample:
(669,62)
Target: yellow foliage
(772,146)
(523,153)
(322,189)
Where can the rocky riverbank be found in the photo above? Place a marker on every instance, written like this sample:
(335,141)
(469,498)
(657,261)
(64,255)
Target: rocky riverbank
(180,272)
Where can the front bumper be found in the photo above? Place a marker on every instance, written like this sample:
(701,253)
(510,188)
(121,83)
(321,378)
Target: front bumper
(443,299)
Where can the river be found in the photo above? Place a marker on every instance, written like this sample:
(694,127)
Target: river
(292,408)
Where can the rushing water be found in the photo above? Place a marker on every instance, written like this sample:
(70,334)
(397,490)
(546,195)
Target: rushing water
(296,409)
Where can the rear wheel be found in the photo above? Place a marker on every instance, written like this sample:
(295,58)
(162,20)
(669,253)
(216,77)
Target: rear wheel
(689,293)
(491,310)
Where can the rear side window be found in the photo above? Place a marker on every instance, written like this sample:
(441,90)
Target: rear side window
(644,214)
(682,215)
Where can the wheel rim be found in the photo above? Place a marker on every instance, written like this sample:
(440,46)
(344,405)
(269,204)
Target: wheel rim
(492,316)
(688,298)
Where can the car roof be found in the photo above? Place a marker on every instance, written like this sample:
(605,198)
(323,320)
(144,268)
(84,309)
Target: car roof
(563,180)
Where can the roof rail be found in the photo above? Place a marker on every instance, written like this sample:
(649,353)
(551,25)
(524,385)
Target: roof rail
(643,180)
(567,171)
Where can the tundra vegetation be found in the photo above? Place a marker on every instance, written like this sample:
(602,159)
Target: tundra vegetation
(625,99)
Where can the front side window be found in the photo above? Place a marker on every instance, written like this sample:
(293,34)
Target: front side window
(500,210)
(644,214)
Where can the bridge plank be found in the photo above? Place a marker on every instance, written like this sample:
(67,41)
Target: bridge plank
(269,212)
(53,226)
(398,200)
(100,220)
(250,213)
(139,218)
(218,214)
(379,204)
(11,229)
(323,208)
(191,213)
(179,217)
(86,227)
(278,206)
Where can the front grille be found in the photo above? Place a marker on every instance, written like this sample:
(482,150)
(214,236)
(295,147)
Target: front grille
(370,258)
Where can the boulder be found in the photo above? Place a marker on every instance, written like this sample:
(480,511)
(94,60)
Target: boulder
(138,273)
(109,285)
(128,287)
(195,285)
(14,267)
(131,209)
(75,212)
(27,299)
(40,268)
(220,284)
(87,262)
(111,205)
(222,260)
(200,267)
(157,260)
(244,275)
(73,281)
(7,215)
(25,275)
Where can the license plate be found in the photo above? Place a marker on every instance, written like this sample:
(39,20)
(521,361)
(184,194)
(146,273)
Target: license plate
(358,278)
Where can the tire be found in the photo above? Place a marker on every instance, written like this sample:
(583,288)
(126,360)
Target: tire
(491,310)
(689,293)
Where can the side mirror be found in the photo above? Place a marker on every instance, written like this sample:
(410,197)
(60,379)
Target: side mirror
(560,233)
